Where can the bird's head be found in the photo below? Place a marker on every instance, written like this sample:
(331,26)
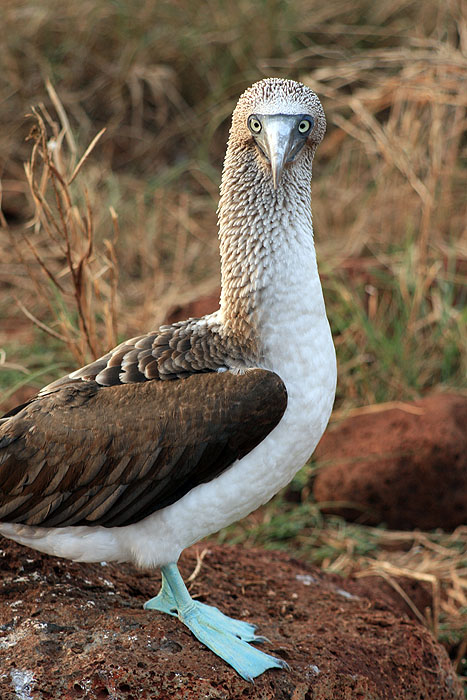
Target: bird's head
(281,122)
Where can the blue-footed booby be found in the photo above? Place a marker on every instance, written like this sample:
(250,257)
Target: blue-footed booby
(179,432)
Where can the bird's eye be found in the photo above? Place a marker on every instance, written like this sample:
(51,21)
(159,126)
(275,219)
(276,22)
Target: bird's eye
(304,126)
(254,124)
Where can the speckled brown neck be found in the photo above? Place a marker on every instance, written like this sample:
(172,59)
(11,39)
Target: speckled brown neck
(256,228)
(239,298)
(259,225)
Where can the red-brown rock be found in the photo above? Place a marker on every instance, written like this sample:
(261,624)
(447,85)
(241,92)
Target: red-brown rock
(72,631)
(195,308)
(406,467)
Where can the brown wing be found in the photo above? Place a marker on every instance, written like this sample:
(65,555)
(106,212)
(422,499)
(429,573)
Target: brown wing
(87,454)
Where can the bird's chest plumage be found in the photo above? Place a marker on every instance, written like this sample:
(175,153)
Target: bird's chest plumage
(296,343)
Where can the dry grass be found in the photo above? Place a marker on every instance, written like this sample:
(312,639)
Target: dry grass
(436,560)
(389,180)
(67,236)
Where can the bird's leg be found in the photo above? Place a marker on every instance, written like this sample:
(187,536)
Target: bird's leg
(164,600)
(225,636)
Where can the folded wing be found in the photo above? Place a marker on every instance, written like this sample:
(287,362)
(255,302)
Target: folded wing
(87,454)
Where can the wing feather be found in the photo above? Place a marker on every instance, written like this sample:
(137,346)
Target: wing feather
(90,454)
(171,352)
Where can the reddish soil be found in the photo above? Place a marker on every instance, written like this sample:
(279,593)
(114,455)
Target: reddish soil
(405,466)
(72,630)
(196,308)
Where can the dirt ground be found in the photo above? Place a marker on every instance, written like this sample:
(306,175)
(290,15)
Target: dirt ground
(71,630)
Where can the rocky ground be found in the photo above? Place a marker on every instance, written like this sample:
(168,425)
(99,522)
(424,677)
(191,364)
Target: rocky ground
(405,465)
(72,630)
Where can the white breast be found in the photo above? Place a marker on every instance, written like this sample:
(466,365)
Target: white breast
(298,346)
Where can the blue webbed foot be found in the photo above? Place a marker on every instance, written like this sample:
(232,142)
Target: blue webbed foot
(212,631)
(225,636)
(213,617)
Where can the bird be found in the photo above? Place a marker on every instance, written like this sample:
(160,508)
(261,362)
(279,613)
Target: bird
(181,431)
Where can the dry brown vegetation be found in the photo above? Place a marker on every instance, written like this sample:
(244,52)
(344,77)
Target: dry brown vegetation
(389,187)
(99,238)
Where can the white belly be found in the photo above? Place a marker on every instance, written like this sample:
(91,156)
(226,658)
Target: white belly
(247,484)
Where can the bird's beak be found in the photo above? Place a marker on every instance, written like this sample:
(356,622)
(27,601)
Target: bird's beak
(278,142)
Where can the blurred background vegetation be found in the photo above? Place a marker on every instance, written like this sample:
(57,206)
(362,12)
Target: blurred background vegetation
(98,249)
(389,186)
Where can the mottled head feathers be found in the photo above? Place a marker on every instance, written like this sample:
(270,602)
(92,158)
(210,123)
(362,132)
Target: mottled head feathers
(278,96)
(245,162)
